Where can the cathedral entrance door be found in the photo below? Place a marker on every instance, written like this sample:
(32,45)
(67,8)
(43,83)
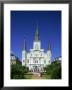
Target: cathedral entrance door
(36,69)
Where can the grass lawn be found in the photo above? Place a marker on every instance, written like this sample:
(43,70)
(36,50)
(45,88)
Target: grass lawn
(28,75)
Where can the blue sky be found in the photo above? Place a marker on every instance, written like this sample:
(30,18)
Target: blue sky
(23,26)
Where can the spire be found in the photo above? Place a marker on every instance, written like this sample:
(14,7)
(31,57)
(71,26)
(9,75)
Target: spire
(24,48)
(49,46)
(37,34)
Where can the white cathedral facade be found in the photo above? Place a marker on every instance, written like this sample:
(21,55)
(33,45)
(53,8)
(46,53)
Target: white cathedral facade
(36,59)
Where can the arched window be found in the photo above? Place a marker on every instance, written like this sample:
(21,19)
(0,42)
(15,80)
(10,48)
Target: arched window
(49,61)
(37,61)
(44,61)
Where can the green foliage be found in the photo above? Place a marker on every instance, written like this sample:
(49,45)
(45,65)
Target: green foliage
(53,70)
(18,71)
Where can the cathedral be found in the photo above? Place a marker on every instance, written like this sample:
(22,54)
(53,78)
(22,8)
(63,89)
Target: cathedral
(36,59)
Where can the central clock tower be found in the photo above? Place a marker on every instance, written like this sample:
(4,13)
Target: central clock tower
(37,43)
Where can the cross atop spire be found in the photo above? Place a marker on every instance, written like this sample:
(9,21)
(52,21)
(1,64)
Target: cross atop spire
(37,34)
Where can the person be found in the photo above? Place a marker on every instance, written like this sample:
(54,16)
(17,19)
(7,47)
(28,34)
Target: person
(41,74)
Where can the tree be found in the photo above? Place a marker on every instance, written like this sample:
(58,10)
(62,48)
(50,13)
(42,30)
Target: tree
(18,71)
(54,70)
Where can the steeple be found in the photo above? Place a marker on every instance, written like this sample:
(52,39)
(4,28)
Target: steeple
(37,34)
(49,46)
(24,47)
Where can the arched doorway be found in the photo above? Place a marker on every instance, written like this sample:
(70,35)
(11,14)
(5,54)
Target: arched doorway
(36,69)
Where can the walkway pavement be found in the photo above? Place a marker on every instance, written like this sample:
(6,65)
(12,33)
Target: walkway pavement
(36,75)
